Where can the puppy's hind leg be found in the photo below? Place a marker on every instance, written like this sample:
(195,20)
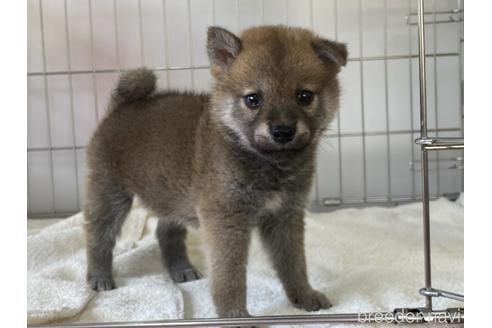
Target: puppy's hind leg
(106,208)
(171,236)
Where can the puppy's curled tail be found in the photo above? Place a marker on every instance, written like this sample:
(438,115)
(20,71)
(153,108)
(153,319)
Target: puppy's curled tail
(134,85)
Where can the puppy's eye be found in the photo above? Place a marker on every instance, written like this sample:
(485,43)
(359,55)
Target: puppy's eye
(305,97)
(253,100)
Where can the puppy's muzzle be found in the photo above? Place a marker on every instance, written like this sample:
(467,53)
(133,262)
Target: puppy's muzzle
(270,137)
(282,134)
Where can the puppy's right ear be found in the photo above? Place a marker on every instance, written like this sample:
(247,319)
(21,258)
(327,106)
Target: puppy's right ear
(330,50)
(222,47)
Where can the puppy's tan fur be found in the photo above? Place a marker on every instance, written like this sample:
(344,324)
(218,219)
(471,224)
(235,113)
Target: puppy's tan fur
(211,160)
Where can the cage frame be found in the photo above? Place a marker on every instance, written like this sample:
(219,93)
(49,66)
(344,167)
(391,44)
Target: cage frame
(387,196)
(424,314)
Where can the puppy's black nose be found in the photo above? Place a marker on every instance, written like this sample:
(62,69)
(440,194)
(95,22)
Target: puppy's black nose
(283,133)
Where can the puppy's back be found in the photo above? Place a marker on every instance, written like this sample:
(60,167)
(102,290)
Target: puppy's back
(143,128)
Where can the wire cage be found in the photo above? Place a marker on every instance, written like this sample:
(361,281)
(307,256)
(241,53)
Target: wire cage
(76,49)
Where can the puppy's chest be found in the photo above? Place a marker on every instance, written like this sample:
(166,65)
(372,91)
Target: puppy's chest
(273,203)
(266,195)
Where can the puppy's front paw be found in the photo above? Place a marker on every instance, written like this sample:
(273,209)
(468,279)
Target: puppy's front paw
(184,274)
(311,300)
(238,314)
(101,283)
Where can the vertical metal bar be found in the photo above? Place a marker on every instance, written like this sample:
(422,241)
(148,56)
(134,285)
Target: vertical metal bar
(410,74)
(460,73)
(422,73)
(362,109)
(190,43)
(287,12)
(424,163)
(29,210)
(214,18)
(238,16)
(116,36)
(316,176)
(140,32)
(166,41)
(426,227)
(72,111)
(386,101)
(94,84)
(460,67)
(262,18)
(436,104)
(47,104)
(339,137)
(311,15)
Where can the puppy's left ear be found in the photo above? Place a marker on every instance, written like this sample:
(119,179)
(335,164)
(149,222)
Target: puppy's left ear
(222,47)
(331,50)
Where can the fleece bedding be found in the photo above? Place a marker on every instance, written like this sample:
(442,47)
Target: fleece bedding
(366,259)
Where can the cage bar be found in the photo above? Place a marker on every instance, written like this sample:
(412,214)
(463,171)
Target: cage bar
(410,83)
(47,104)
(190,43)
(262,12)
(426,144)
(456,142)
(116,37)
(214,8)
(140,33)
(361,85)
(424,154)
(238,13)
(460,74)
(166,43)
(396,316)
(195,67)
(436,96)
(453,16)
(386,95)
(72,112)
(316,175)
(339,136)
(93,74)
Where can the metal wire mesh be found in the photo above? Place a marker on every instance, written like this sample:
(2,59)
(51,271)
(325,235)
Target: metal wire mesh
(77,47)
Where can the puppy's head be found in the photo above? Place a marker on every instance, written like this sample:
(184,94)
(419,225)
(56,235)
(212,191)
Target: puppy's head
(276,88)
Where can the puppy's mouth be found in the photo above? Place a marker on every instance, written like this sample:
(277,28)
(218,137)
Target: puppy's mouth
(266,145)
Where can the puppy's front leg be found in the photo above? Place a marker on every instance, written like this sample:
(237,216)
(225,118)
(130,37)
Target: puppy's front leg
(228,237)
(283,236)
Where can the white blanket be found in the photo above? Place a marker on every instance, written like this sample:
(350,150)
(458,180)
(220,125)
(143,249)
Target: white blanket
(367,259)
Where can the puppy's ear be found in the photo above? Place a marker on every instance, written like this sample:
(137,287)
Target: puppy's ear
(331,50)
(222,47)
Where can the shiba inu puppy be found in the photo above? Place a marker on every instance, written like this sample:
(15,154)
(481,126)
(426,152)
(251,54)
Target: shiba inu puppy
(239,158)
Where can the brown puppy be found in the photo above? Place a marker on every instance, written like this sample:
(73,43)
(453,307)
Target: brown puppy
(239,158)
